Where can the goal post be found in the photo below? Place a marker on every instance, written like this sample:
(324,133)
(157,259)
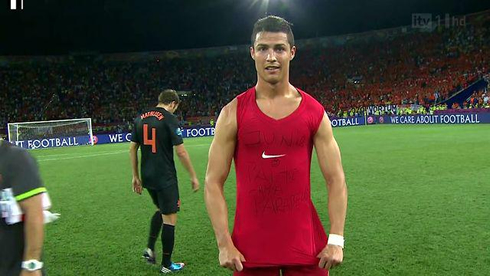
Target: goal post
(54,133)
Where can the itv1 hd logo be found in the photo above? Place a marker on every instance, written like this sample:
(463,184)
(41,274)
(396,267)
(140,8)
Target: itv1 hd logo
(16,4)
(425,22)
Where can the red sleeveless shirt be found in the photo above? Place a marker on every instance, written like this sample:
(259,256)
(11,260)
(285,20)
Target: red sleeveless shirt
(275,220)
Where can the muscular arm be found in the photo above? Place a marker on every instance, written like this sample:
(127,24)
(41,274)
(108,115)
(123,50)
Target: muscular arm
(331,166)
(32,208)
(220,157)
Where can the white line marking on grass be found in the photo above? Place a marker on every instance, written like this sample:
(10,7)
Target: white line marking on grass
(84,156)
(198,145)
(56,157)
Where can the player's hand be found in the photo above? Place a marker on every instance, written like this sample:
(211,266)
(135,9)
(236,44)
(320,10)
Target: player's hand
(137,188)
(195,184)
(231,258)
(24,272)
(331,256)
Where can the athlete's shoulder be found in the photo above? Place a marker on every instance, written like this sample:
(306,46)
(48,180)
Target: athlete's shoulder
(245,100)
(310,101)
(166,114)
(17,155)
(4,145)
(246,94)
(10,148)
(249,91)
(230,108)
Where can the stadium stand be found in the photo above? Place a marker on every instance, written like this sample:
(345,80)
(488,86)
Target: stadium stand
(401,66)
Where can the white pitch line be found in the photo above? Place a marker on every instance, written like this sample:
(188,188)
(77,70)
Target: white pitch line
(54,155)
(83,156)
(50,158)
(198,145)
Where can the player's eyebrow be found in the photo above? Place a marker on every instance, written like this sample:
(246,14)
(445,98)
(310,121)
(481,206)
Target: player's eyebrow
(268,45)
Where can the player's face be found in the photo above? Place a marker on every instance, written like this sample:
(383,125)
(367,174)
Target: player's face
(272,54)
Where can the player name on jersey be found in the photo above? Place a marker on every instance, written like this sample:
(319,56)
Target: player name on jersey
(155,114)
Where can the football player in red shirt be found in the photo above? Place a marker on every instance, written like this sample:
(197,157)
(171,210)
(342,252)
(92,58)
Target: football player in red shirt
(269,131)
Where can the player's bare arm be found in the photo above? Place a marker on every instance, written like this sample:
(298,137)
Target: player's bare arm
(330,163)
(32,208)
(220,156)
(33,231)
(133,154)
(186,162)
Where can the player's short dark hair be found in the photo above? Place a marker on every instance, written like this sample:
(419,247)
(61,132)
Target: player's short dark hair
(168,96)
(274,24)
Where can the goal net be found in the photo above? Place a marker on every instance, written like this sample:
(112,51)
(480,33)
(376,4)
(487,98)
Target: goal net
(47,134)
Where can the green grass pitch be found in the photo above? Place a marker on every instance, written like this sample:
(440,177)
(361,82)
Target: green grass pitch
(419,204)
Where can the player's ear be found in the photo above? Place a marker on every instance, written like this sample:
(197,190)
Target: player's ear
(252,52)
(293,52)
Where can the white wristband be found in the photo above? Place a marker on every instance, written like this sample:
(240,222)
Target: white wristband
(336,240)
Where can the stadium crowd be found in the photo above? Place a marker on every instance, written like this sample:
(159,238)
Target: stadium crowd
(414,67)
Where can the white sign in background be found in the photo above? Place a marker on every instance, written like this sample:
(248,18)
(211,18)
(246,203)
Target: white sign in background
(13,4)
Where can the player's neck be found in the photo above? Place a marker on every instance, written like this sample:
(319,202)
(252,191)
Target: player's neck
(166,107)
(267,90)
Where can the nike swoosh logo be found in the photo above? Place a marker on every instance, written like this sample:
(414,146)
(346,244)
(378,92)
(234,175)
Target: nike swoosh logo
(265,156)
